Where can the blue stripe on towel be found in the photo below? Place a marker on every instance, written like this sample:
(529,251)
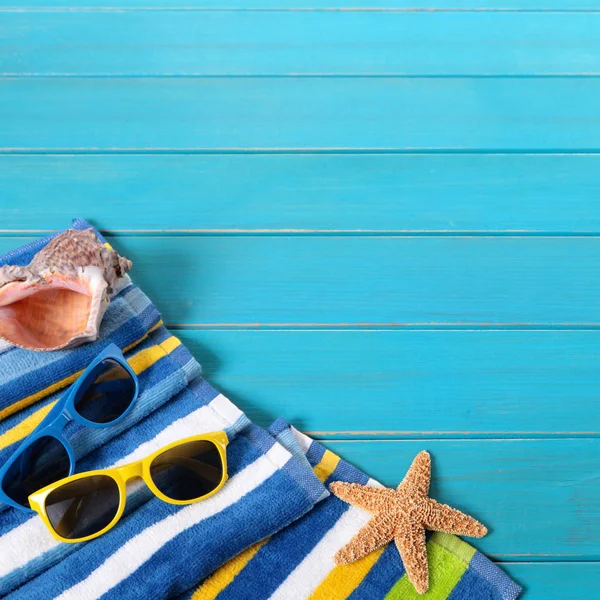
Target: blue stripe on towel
(473,585)
(344,471)
(507,588)
(282,554)
(23,254)
(382,576)
(300,469)
(315,454)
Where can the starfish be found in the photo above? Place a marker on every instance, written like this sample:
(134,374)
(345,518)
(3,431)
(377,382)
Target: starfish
(403,515)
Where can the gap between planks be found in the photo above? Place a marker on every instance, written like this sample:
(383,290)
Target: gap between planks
(526,559)
(367,233)
(192,75)
(384,326)
(338,150)
(42,9)
(436,436)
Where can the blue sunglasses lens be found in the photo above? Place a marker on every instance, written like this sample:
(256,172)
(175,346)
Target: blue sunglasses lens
(43,462)
(109,395)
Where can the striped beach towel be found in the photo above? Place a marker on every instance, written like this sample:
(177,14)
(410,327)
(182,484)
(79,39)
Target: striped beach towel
(271,532)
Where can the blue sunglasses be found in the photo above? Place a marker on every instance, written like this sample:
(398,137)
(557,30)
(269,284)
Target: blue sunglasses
(101,397)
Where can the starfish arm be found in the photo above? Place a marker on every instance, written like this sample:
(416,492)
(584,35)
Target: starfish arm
(417,479)
(441,517)
(412,545)
(376,533)
(368,498)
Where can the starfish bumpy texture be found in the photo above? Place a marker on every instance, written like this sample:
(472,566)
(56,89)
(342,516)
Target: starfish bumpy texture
(403,515)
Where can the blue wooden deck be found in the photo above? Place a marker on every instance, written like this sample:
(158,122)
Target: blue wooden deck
(381,223)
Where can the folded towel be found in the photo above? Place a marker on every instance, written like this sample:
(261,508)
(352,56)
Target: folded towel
(299,560)
(158,550)
(271,532)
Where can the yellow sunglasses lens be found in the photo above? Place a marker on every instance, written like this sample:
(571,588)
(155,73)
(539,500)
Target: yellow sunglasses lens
(189,471)
(83,507)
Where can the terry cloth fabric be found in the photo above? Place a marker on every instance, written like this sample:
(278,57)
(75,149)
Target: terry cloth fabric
(158,550)
(299,560)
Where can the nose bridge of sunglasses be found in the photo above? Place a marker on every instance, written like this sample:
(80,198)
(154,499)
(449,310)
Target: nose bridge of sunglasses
(57,424)
(130,471)
(59,410)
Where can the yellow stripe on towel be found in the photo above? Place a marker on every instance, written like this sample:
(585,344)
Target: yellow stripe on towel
(225,574)
(344,579)
(15,407)
(25,427)
(326,465)
(139,362)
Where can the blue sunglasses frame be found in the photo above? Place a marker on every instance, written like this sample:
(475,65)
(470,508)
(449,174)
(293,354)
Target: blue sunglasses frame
(63,412)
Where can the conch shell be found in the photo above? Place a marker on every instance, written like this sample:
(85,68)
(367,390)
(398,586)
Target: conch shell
(59,299)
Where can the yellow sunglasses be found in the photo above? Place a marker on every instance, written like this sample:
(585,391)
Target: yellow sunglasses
(85,506)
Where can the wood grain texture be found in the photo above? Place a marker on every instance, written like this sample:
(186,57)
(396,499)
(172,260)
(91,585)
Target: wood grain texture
(538,496)
(279,43)
(310,192)
(403,384)
(208,114)
(367,280)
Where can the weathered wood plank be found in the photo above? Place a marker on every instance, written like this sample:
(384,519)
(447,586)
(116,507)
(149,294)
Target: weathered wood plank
(538,497)
(207,114)
(298,43)
(445,193)
(365,384)
(363,280)
(556,581)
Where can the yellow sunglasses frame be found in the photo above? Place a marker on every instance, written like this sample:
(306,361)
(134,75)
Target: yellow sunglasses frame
(121,475)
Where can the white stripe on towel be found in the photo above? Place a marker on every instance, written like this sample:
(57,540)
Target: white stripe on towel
(204,420)
(133,554)
(303,440)
(304,579)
